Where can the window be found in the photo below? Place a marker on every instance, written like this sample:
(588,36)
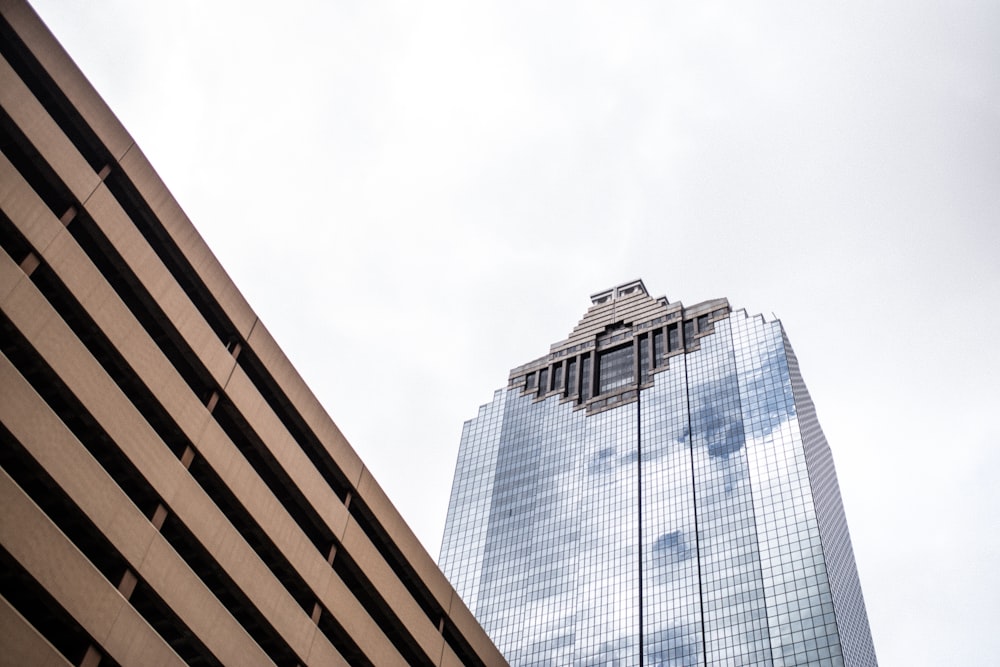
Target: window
(571,377)
(615,369)
(643,344)
(587,379)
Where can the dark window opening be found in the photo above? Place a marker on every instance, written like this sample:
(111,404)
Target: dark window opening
(673,338)
(303,435)
(41,610)
(407,574)
(79,421)
(587,386)
(142,306)
(60,508)
(109,358)
(62,111)
(644,369)
(227,591)
(380,611)
(458,643)
(274,476)
(615,369)
(11,240)
(251,531)
(169,626)
(33,167)
(341,640)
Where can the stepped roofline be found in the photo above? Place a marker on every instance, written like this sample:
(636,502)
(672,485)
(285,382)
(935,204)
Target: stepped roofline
(619,292)
(623,316)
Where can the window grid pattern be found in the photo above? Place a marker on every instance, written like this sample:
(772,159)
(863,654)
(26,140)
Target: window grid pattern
(704,484)
(671,602)
(848,601)
(615,368)
(608,577)
(468,509)
(504,577)
(735,617)
(800,612)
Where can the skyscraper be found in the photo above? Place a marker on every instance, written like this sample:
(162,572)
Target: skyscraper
(656,490)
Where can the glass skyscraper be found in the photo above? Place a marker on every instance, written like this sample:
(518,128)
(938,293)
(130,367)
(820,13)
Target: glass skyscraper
(656,490)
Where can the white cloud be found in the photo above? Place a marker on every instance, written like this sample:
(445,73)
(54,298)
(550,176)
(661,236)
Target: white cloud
(418,198)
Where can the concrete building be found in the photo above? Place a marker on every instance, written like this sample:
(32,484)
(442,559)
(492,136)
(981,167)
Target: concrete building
(656,490)
(171,491)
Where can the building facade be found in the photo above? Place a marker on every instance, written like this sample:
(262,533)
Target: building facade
(656,490)
(171,492)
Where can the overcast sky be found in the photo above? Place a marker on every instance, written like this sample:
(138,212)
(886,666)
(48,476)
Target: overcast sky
(416,197)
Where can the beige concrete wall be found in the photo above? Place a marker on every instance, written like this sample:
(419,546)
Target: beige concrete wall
(94,336)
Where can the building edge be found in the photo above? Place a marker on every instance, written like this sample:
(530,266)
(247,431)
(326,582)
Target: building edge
(74,165)
(845,585)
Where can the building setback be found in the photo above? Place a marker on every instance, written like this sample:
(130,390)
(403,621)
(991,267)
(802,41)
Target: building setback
(656,490)
(171,490)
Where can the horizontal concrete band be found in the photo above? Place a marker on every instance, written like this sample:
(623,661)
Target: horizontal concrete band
(77,586)
(43,326)
(22,643)
(71,264)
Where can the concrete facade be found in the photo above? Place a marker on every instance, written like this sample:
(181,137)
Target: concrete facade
(172,492)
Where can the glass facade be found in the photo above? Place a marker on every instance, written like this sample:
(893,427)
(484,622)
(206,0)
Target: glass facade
(686,514)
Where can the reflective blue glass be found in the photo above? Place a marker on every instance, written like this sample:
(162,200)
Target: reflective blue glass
(688,515)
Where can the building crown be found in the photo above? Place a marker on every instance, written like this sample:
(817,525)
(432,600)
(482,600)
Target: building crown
(613,294)
(623,340)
